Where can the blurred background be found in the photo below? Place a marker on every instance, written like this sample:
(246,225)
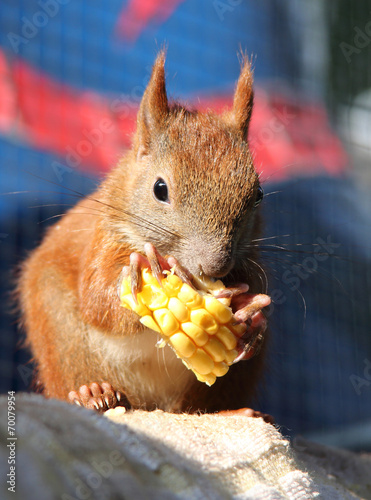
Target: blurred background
(72,73)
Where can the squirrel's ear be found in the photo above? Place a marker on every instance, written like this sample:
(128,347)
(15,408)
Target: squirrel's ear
(243,99)
(154,108)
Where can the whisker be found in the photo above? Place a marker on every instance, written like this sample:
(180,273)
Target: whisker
(50,218)
(151,224)
(271,237)
(290,251)
(283,167)
(319,270)
(145,224)
(304,306)
(271,192)
(264,274)
(94,180)
(52,205)
(19,192)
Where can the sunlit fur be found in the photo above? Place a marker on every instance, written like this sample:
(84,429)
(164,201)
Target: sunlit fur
(75,327)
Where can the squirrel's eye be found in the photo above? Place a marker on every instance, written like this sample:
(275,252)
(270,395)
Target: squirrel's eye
(259,196)
(160,191)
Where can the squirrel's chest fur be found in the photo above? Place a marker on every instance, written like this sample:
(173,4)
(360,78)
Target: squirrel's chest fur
(147,372)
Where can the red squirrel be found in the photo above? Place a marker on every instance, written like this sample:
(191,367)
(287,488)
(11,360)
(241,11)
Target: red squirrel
(185,195)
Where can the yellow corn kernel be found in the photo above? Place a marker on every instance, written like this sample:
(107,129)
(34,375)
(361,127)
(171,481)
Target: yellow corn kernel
(166,321)
(207,379)
(179,309)
(231,356)
(153,296)
(220,369)
(172,285)
(125,287)
(197,334)
(207,284)
(204,320)
(150,323)
(199,327)
(148,278)
(227,338)
(221,313)
(238,329)
(182,344)
(129,302)
(190,297)
(201,362)
(215,349)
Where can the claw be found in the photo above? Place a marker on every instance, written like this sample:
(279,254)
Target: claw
(229,293)
(136,262)
(247,352)
(157,262)
(250,347)
(100,397)
(123,275)
(180,271)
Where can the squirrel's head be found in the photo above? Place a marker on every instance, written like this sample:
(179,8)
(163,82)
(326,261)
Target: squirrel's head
(193,189)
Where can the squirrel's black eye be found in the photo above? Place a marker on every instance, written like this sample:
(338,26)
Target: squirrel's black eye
(259,196)
(160,191)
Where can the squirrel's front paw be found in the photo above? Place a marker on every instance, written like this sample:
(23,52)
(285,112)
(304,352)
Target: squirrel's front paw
(99,397)
(154,261)
(247,308)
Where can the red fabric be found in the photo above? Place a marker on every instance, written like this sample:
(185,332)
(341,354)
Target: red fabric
(89,131)
(288,138)
(8,99)
(136,16)
(79,126)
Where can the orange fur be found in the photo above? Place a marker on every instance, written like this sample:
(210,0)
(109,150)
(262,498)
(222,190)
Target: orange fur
(76,329)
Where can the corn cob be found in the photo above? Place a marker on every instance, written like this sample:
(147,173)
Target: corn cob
(199,327)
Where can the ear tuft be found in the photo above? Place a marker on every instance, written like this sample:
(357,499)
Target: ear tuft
(243,97)
(154,108)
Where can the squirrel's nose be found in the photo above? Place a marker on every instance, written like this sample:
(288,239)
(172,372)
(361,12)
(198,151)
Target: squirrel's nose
(216,270)
(211,256)
(216,264)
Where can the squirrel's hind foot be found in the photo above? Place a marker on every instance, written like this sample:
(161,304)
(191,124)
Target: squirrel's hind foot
(98,397)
